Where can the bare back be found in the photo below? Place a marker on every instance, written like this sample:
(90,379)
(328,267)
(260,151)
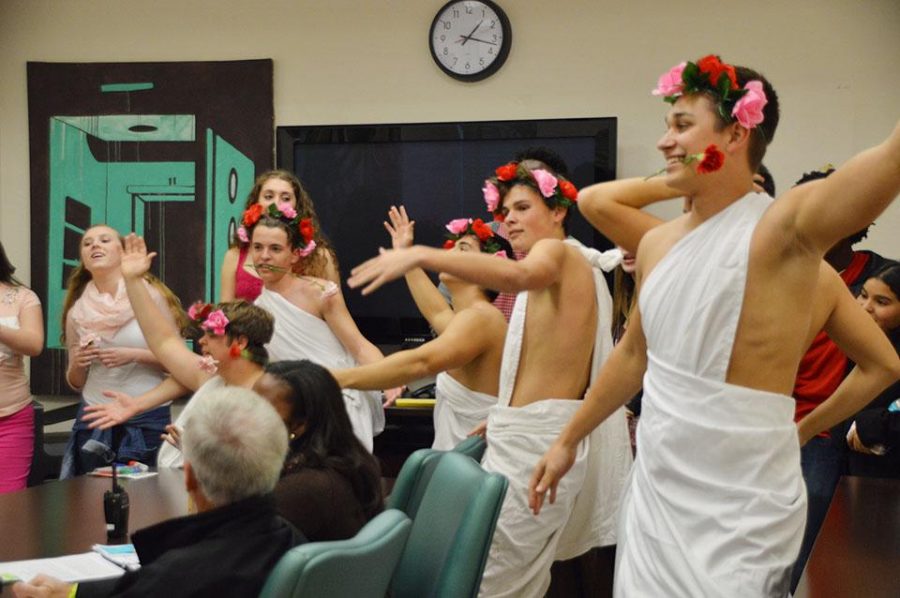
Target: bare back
(488,327)
(560,328)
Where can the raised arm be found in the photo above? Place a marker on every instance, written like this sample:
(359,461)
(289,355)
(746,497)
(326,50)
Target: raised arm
(619,380)
(123,407)
(160,333)
(338,318)
(431,303)
(538,270)
(465,338)
(823,212)
(615,208)
(877,366)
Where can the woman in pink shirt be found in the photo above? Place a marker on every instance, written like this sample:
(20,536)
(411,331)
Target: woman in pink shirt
(21,333)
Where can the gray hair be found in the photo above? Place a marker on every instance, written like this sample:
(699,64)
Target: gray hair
(235,443)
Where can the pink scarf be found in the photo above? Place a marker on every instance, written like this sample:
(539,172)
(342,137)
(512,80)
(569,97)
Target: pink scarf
(102,314)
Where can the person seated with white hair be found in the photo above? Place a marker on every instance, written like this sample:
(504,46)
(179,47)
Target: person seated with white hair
(234,447)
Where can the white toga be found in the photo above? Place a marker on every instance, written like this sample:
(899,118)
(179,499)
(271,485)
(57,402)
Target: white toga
(457,410)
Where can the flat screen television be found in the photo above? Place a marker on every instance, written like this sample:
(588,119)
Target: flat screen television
(354,173)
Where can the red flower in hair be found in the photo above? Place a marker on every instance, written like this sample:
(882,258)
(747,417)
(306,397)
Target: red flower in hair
(252,215)
(482,230)
(715,67)
(499,217)
(568,190)
(507,172)
(449,244)
(712,160)
(306,229)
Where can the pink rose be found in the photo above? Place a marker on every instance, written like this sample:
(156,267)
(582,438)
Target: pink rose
(288,210)
(208,364)
(749,109)
(491,196)
(670,83)
(242,234)
(310,247)
(546,182)
(458,226)
(216,322)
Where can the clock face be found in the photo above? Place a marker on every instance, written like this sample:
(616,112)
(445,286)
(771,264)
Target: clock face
(470,39)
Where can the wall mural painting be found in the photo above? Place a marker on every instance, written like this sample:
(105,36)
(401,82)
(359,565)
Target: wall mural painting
(167,150)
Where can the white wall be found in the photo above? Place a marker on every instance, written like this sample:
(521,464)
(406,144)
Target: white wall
(835,64)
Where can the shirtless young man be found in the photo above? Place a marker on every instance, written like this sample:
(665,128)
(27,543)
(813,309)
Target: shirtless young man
(466,354)
(716,503)
(558,335)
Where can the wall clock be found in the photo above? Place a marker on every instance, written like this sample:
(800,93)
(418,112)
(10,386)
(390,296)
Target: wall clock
(470,39)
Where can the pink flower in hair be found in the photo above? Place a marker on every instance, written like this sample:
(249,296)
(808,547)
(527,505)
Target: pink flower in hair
(491,196)
(749,109)
(242,234)
(310,247)
(216,322)
(670,83)
(287,210)
(458,226)
(546,181)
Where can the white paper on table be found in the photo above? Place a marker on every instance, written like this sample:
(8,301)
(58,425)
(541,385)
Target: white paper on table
(87,566)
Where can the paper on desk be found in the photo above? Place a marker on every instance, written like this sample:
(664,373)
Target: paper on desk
(72,568)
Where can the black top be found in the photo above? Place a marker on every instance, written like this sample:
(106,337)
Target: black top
(228,551)
(320,503)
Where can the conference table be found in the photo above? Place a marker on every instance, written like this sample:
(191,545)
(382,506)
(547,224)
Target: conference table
(66,517)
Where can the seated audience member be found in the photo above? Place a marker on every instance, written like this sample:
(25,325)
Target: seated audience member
(466,355)
(874,435)
(236,537)
(21,333)
(330,485)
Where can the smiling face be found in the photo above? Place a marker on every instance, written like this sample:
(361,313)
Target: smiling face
(528,219)
(881,303)
(276,190)
(271,252)
(101,249)
(691,126)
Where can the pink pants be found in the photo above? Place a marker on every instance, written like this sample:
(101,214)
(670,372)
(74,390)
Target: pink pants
(16,449)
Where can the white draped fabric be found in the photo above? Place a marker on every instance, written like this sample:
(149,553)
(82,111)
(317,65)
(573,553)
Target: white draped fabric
(716,504)
(169,456)
(457,410)
(587,501)
(301,335)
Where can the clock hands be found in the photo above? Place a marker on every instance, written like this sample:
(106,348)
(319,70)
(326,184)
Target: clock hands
(484,41)
(466,38)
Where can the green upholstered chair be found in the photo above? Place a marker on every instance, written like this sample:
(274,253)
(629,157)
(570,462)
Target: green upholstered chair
(472,446)
(356,568)
(452,530)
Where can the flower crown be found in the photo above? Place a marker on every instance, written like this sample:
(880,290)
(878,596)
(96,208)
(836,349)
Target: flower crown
(284,212)
(208,318)
(555,189)
(712,76)
(462,227)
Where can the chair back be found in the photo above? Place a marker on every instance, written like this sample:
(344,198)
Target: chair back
(360,566)
(472,446)
(452,531)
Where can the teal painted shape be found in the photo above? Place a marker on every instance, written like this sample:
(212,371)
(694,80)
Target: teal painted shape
(114,87)
(136,127)
(230,176)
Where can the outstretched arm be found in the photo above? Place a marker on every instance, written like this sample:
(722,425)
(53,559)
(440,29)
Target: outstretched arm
(539,269)
(160,333)
(823,212)
(123,407)
(618,381)
(464,339)
(615,208)
(432,305)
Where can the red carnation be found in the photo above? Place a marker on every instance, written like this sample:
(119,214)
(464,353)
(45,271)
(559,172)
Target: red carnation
(568,190)
(507,172)
(252,215)
(499,217)
(712,160)
(306,229)
(449,244)
(482,230)
(714,67)
(234,350)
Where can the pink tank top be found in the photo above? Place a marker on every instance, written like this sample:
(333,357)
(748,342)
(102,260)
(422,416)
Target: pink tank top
(246,286)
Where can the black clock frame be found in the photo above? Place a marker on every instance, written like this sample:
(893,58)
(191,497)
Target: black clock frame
(501,56)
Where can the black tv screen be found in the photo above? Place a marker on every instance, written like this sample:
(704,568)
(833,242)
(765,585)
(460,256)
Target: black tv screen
(354,173)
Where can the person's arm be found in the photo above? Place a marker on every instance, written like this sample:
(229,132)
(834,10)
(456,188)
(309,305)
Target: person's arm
(618,381)
(159,332)
(123,407)
(29,338)
(821,213)
(113,357)
(228,274)
(335,314)
(464,339)
(43,586)
(615,208)
(428,299)
(538,270)
(877,365)
(79,358)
